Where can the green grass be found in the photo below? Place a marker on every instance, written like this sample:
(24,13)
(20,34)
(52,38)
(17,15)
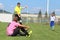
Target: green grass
(40,32)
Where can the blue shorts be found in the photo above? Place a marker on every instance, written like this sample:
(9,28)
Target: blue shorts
(52,23)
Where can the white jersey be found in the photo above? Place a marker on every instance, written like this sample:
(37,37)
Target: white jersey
(52,18)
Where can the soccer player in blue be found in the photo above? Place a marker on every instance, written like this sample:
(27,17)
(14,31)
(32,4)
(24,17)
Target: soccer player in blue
(52,21)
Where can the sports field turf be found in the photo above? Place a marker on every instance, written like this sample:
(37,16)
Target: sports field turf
(40,32)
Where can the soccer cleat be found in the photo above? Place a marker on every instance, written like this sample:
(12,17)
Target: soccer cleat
(30,33)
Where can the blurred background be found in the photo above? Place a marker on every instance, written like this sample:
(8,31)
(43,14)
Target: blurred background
(38,11)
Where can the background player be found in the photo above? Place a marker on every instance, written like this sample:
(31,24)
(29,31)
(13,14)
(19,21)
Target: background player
(52,20)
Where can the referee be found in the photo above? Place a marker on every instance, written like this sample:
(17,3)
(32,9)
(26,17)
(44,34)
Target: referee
(17,11)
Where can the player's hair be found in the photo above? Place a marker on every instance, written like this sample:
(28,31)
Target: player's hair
(17,16)
(53,13)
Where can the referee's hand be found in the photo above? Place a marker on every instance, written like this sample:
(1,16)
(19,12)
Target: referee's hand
(26,6)
(19,15)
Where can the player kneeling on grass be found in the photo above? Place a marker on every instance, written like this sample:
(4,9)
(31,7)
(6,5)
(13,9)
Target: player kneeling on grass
(14,27)
(52,20)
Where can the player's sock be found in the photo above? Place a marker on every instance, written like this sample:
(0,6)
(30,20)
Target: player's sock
(52,27)
(25,31)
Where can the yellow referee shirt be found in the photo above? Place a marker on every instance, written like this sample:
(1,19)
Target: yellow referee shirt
(18,10)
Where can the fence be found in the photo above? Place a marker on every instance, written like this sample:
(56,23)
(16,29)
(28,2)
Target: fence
(5,17)
(25,18)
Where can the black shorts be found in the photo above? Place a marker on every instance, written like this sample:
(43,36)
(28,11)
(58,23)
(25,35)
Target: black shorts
(17,32)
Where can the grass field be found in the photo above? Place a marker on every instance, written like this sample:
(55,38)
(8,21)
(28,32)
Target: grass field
(40,32)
